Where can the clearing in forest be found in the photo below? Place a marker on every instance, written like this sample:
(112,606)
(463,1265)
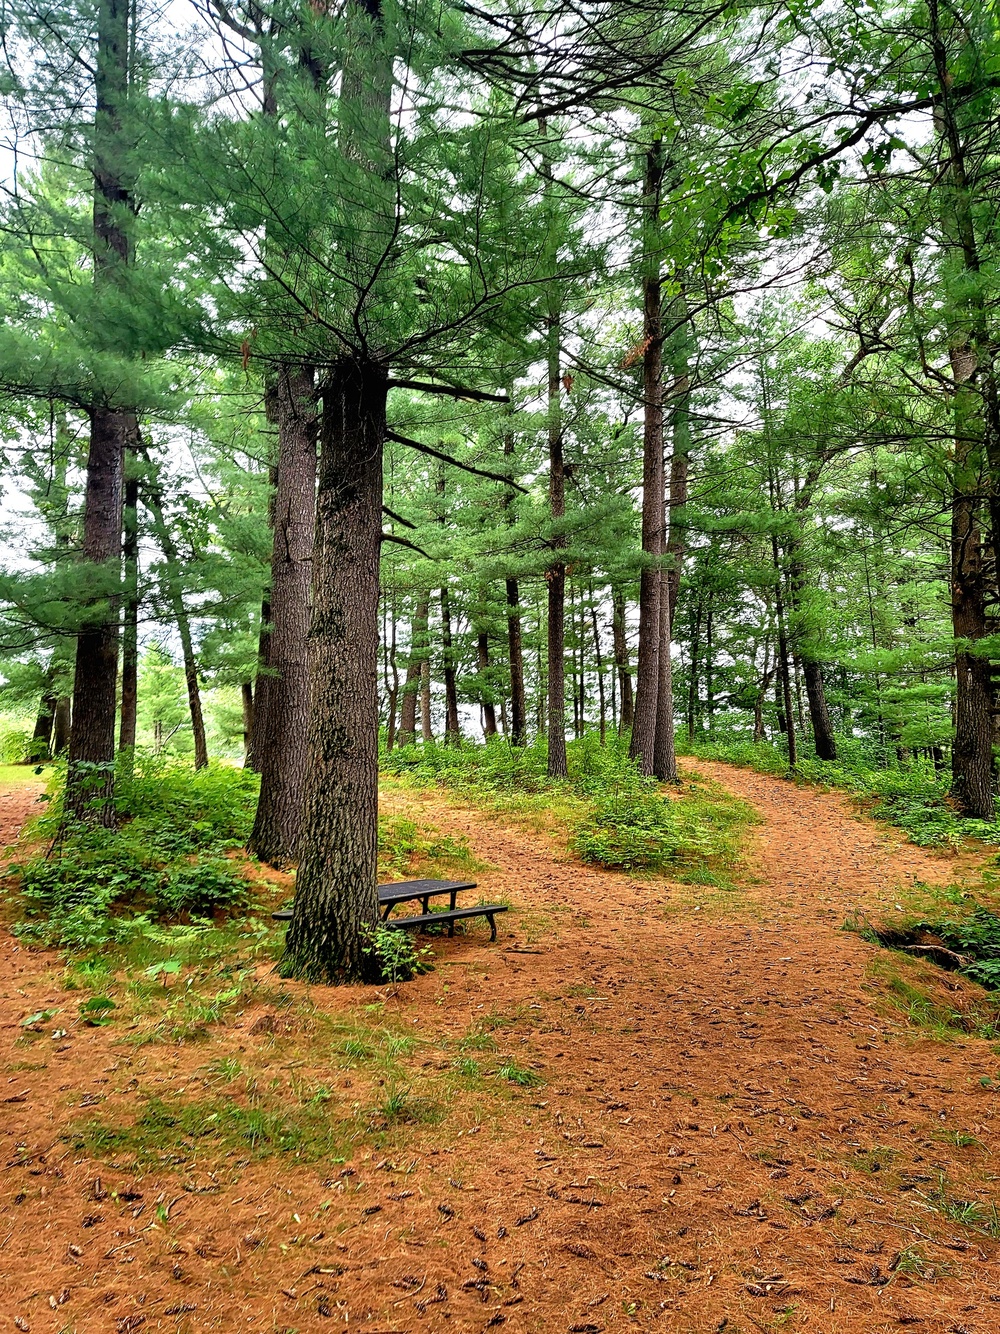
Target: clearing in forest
(651,1105)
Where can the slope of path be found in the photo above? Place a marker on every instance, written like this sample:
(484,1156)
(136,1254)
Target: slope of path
(733,1134)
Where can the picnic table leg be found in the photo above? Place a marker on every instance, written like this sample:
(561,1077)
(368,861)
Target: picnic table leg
(454,899)
(425,901)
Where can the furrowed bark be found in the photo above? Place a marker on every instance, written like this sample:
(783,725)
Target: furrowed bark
(281,720)
(555,575)
(648,680)
(336,900)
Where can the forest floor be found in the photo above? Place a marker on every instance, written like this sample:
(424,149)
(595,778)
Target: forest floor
(649,1105)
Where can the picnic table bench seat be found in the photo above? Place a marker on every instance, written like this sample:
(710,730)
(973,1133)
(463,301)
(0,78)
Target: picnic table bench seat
(403,891)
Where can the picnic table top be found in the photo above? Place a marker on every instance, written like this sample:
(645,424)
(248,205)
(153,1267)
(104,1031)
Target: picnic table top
(401,890)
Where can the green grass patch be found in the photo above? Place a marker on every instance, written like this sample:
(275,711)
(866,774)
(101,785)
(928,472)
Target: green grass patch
(174,1131)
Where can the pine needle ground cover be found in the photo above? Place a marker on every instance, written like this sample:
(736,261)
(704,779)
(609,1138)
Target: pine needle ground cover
(615,817)
(643,1098)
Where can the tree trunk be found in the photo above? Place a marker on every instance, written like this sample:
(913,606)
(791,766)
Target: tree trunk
(246,691)
(515,654)
(680,460)
(414,668)
(489,708)
(130,636)
(812,668)
(651,582)
(452,726)
(41,738)
(599,660)
(62,726)
(262,682)
(664,755)
(784,674)
(692,707)
(426,726)
(281,718)
(973,768)
(171,559)
(90,773)
(336,900)
(556,573)
(621,660)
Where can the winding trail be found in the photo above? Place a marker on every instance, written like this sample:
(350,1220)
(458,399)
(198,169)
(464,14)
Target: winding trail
(736,1131)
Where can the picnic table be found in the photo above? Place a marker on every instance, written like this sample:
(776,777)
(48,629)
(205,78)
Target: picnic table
(405,891)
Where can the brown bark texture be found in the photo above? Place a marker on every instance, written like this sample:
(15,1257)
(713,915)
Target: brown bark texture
(281,718)
(336,899)
(89,791)
(651,583)
(130,632)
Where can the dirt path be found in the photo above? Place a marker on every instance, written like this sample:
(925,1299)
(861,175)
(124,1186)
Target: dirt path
(734,1132)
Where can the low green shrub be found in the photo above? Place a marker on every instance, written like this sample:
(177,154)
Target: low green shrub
(913,796)
(397,956)
(165,860)
(628,831)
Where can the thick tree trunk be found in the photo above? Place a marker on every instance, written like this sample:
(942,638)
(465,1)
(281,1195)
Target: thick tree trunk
(130,636)
(651,581)
(336,900)
(414,668)
(972,754)
(281,717)
(90,773)
(973,766)
(621,660)
(962,205)
(819,712)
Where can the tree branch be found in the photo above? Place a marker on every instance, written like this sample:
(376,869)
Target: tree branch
(447,458)
(453,391)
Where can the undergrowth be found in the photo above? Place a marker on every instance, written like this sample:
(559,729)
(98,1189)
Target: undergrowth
(619,819)
(912,796)
(167,859)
